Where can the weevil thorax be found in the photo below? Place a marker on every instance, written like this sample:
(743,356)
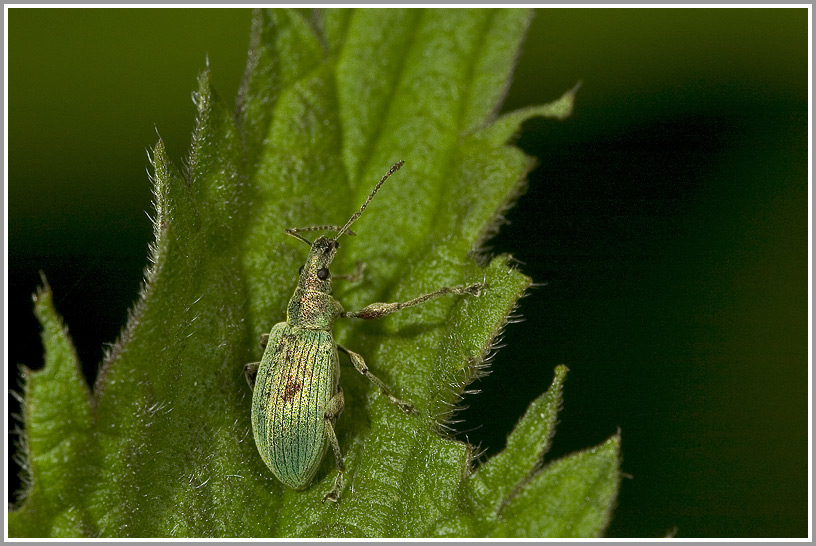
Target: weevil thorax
(312,305)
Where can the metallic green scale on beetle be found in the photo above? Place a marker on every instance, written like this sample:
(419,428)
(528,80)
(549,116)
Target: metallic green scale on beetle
(294,383)
(296,397)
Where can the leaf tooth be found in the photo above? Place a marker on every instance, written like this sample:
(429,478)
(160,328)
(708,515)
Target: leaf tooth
(171,202)
(162,182)
(503,475)
(59,348)
(570,497)
(203,151)
(491,317)
(57,415)
(504,128)
(216,170)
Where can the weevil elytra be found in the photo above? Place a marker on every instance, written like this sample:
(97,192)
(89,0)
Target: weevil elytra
(296,396)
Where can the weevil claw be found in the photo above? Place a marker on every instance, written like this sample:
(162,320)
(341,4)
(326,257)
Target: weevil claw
(476,289)
(330,496)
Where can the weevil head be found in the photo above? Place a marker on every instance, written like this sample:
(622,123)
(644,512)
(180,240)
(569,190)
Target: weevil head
(312,305)
(315,274)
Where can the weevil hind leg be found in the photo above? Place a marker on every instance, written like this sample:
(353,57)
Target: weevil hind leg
(264,340)
(250,371)
(361,367)
(333,408)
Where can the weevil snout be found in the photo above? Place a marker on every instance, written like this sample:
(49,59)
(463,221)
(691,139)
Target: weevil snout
(324,249)
(315,272)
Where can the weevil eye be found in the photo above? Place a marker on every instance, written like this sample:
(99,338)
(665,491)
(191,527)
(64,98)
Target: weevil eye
(323,273)
(300,271)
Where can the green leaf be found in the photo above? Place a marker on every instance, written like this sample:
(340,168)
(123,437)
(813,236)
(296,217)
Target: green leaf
(163,446)
(572,497)
(513,496)
(57,438)
(495,482)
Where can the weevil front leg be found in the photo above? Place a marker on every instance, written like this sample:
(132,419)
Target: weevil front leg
(361,367)
(333,408)
(377,310)
(250,371)
(354,276)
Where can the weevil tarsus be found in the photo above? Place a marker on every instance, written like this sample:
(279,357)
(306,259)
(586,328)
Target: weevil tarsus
(250,372)
(355,275)
(251,369)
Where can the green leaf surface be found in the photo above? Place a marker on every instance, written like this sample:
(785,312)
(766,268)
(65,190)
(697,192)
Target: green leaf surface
(57,442)
(570,498)
(163,446)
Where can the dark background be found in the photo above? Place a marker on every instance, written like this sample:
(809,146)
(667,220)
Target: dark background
(668,218)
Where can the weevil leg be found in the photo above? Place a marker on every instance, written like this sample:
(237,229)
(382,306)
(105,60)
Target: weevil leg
(377,310)
(361,367)
(355,276)
(264,340)
(333,408)
(250,371)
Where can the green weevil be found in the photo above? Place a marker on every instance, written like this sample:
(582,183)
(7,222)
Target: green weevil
(296,396)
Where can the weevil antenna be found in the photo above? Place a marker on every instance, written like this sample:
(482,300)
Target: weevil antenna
(359,213)
(294,231)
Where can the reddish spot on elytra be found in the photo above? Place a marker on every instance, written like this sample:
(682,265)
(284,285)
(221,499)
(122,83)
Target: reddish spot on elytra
(293,387)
